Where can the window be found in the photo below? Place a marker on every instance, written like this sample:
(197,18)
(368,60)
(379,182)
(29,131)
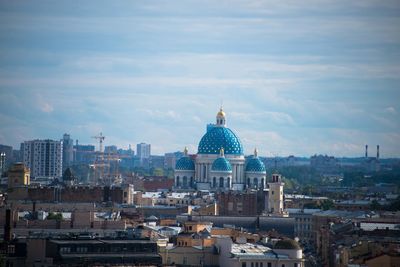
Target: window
(221,181)
(256,264)
(252,264)
(11,249)
(283,265)
(81,249)
(272,192)
(243,264)
(65,250)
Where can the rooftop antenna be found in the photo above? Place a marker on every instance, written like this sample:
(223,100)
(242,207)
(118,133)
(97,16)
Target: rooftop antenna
(275,155)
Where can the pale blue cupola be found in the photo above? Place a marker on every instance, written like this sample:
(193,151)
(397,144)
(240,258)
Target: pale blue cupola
(221,164)
(255,164)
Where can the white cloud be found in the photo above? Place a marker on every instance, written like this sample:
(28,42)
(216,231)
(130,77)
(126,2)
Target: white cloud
(390,110)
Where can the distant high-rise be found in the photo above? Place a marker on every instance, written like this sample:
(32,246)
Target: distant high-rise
(366,151)
(68,151)
(377,152)
(111,149)
(43,158)
(84,153)
(143,150)
(7,152)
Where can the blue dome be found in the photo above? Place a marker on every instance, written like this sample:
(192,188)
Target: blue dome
(185,164)
(218,137)
(255,165)
(221,164)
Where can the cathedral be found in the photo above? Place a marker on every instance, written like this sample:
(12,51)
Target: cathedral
(219,163)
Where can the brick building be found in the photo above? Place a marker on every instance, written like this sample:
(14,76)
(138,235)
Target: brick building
(240,203)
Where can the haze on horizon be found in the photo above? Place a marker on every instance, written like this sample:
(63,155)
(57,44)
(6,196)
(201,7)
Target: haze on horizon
(295,78)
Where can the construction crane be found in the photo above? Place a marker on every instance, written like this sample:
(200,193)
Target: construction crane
(99,163)
(101,138)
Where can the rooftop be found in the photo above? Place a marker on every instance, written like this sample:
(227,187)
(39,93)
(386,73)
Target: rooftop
(254,251)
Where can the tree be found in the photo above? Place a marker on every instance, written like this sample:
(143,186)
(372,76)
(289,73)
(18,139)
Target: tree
(375,205)
(327,204)
(54,216)
(158,172)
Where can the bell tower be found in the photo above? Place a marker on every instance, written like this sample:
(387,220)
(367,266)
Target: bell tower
(221,120)
(275,195)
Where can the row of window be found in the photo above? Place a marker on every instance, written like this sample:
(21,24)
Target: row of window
(185,182)
(105,248)
(302,226)
(268,264)
(304,219)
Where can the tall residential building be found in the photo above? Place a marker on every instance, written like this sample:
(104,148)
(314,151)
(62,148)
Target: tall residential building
(43,158)
(111,149)
(143,150)
(84,153)
(68,151)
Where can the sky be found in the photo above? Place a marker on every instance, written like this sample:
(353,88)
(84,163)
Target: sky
(294,77)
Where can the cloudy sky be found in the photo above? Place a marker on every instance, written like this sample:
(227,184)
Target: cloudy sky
(294,77)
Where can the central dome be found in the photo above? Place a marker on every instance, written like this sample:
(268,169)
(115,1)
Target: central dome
(218,137)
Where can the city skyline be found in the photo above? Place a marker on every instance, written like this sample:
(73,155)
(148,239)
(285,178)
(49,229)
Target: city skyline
(294,79)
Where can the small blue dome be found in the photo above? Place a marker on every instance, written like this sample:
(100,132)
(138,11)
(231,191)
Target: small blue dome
(218,137)
(255,165)
(185,164)
(221,164)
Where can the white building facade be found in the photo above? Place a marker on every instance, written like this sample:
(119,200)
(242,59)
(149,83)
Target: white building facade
(143,150)
(43,158)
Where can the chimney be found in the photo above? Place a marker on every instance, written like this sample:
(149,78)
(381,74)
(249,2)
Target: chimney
(7,226)
(366,151)
(377,152)
(34,213)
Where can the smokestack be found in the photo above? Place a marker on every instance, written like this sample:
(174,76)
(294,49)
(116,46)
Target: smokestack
(7,226)
(34,213)
(366,151)
(377,152)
